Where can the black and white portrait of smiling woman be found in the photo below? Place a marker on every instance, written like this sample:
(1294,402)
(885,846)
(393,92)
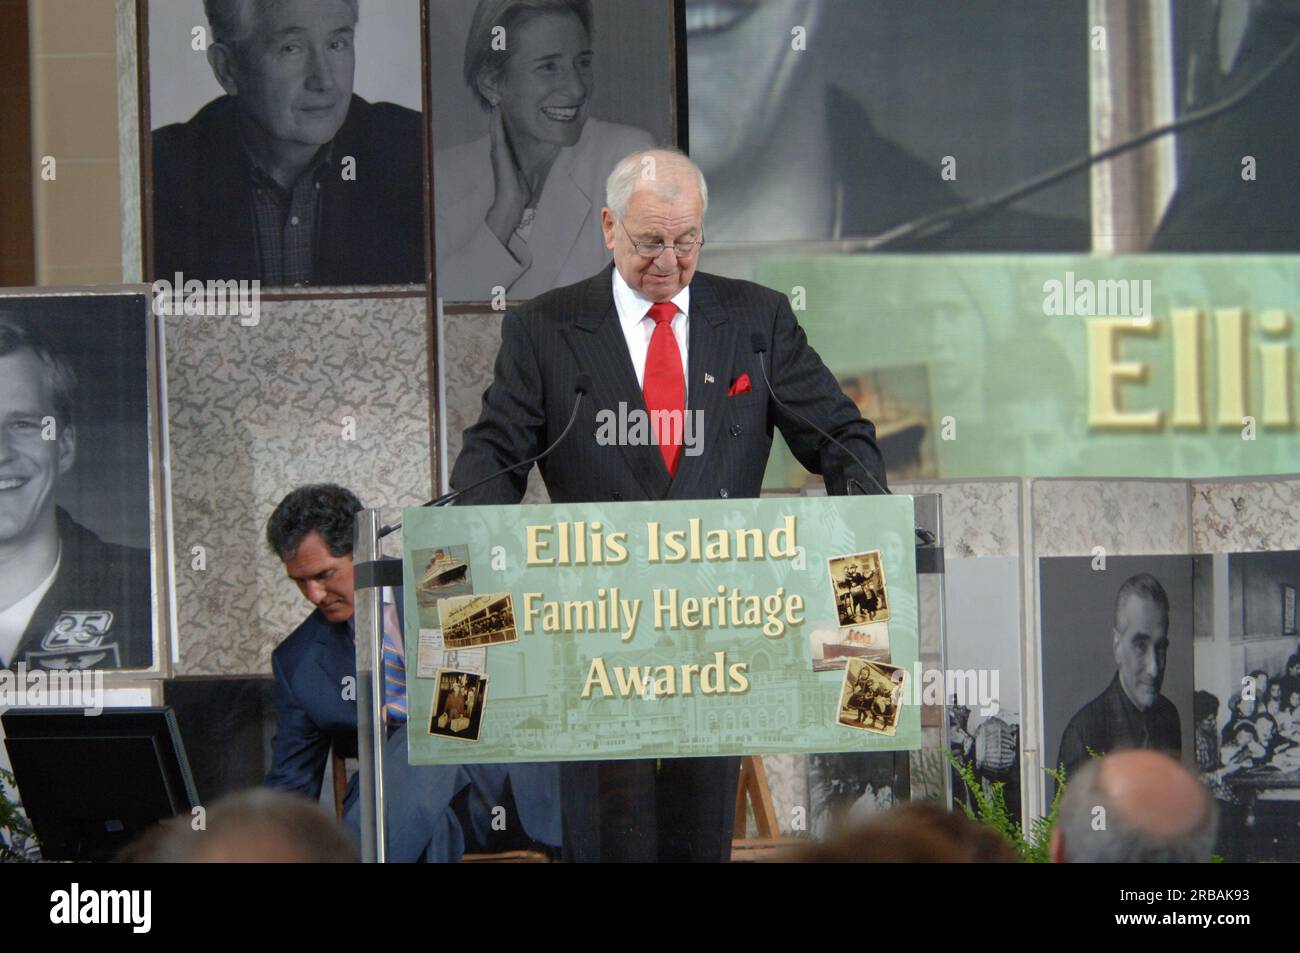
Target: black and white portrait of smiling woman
(517,204)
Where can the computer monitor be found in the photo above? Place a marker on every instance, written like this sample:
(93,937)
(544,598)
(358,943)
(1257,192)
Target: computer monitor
(91,783)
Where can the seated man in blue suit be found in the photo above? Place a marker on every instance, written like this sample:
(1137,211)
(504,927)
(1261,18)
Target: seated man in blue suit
(315,703)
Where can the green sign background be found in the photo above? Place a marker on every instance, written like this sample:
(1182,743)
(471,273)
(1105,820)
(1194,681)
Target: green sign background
(970,338)
(534,709)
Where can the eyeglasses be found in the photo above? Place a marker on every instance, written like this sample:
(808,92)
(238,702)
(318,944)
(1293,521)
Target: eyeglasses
(655,249)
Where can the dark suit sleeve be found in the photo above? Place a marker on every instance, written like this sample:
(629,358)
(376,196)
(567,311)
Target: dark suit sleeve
(300,748)
(805,384)
(1074,750)
(1171,729)
(511,425)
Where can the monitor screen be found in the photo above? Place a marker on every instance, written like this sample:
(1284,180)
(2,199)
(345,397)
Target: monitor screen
(91,784)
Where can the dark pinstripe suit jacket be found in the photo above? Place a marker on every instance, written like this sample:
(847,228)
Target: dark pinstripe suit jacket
(552,339)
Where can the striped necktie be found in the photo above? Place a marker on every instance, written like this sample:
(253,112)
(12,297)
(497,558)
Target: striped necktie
(394,668)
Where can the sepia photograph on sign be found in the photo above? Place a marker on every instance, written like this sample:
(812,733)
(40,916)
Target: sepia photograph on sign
(487,619)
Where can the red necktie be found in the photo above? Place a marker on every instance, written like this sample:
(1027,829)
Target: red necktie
(665,384)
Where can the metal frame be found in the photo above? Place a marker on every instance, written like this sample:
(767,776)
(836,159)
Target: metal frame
(161,550)
(370,723)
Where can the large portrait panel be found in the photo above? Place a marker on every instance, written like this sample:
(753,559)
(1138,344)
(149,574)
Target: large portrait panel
(284,142)
(819,120)
(533,103)
(81,526)
(1118,642)
(1247,709)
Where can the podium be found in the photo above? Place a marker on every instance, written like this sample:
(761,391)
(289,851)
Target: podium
(920,584)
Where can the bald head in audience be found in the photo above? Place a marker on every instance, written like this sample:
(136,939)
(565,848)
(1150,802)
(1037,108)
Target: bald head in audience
(1134,807)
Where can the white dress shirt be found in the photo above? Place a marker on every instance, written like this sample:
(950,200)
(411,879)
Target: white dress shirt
(634,317)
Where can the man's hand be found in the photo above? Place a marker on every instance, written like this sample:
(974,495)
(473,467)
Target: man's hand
(510,190)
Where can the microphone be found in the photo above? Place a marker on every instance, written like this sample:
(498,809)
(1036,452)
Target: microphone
(581,385)
(759,344)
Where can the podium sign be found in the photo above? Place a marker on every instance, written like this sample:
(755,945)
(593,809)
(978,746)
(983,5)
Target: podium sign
(667,629)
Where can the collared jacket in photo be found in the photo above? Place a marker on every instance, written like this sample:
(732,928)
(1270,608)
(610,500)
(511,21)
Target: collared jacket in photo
(98,611)
(370,226)
(565,243)
(1110,722)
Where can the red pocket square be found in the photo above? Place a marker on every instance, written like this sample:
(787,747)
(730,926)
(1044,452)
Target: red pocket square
(739,386)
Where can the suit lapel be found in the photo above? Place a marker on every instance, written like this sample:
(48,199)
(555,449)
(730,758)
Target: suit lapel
(601,351)
(336,657)
(711,352)
(561,214)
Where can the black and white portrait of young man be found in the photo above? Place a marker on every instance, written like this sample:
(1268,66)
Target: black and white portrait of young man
(76,518)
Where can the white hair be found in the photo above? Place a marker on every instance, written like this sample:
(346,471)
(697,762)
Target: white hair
(639,169)
(232,21)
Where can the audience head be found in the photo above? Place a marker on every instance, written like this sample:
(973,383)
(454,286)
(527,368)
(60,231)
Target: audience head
(914,833)
(254,826)
(1134,806)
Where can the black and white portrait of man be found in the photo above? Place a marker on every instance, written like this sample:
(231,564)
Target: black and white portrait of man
(76,579)
(1117,655)
(287,142)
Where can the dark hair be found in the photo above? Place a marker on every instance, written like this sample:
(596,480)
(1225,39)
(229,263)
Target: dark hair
(1148,587)
(231,22)
(1293,660)
(1204,703)
(322,508)
(18,335)
(480,58)
(914,833)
